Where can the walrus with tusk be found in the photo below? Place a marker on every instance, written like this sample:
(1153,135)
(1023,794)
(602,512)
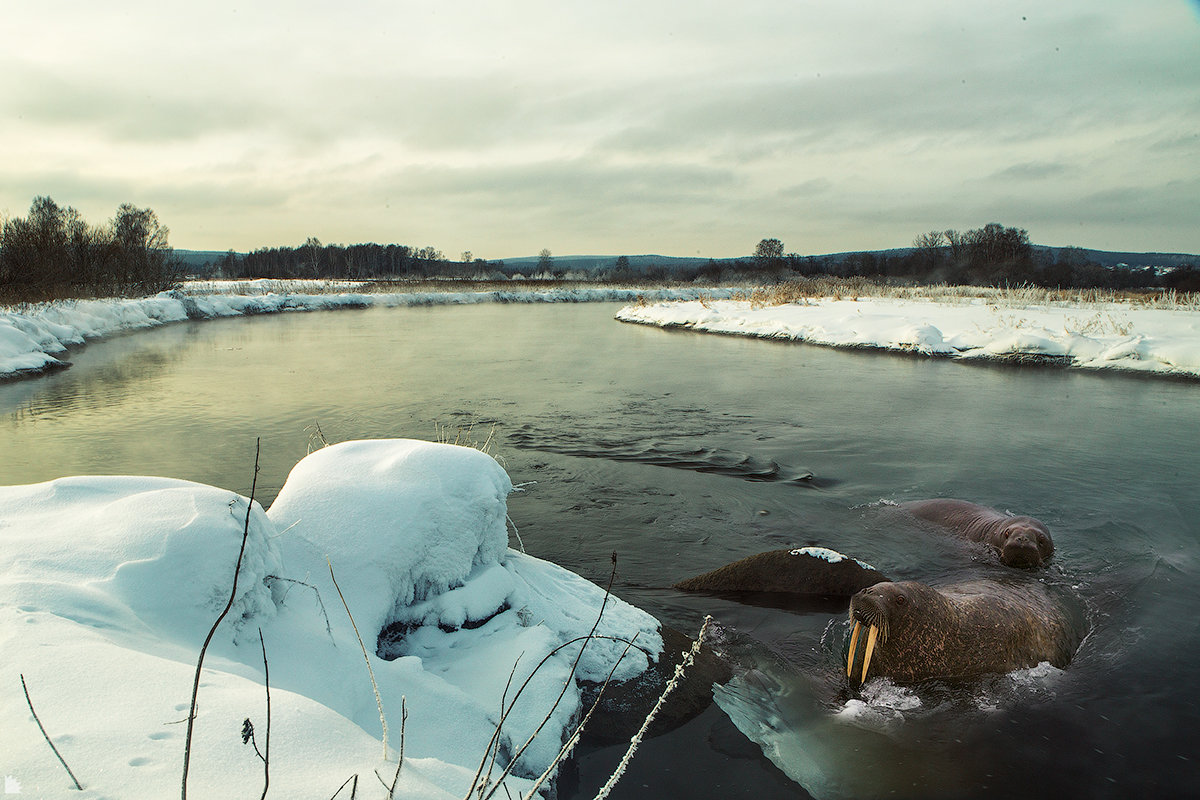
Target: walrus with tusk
(915,632)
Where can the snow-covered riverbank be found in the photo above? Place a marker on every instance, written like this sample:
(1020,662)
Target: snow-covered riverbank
(108,586)
(1093,336)
(32,337)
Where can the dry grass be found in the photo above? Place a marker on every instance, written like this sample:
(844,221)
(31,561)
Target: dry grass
(802,292)
(309,286)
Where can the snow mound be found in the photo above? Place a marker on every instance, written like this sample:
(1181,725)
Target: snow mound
(109,585)
(135,555)
(407,519)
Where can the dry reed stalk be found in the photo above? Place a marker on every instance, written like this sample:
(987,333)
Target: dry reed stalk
(46,736)
(366,658)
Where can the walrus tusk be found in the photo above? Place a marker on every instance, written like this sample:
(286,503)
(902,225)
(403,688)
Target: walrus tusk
(853,641)
(867,656)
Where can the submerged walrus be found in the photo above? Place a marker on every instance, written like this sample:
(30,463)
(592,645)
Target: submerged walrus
(807,571)
(915,632)
(1019,541)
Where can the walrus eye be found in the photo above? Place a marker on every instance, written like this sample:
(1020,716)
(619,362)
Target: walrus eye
(901,599)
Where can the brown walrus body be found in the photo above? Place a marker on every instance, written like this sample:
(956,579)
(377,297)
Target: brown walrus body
(910,632)
(811,571)
(1019,541)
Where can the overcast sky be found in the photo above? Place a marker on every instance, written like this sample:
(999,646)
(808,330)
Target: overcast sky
(677,128)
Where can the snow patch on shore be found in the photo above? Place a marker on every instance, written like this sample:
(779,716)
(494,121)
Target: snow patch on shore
(1114,336)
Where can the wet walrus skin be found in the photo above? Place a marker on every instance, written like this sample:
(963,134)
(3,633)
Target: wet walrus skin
(911,632)
(1019,541)
(809,571)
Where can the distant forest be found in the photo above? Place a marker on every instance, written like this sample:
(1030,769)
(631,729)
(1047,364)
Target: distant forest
(54,253)
(993,255)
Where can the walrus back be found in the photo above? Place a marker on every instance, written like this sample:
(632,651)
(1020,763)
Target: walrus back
(803,571)
(1015,626)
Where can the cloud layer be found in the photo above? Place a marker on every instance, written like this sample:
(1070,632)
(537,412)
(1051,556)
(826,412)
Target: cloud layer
(623,127)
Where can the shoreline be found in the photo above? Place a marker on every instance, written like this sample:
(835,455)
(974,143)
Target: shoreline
(32,339)
(1147,342)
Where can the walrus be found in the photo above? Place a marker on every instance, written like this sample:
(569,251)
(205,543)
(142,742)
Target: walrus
(916,632)
(809,571)
(1019,541)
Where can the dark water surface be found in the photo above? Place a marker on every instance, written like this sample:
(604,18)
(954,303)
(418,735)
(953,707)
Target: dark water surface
(682,452)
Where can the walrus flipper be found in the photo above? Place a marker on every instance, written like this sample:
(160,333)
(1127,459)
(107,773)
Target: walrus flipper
(804,571)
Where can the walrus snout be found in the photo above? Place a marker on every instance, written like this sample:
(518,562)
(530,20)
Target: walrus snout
(869,608)
(1025,547)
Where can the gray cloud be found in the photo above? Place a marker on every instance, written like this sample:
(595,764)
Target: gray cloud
(501,126)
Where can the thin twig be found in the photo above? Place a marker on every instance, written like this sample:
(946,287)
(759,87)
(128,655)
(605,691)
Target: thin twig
(320,602)
(572,740)
(566,684)
(367,658)
(237,568)
(400,760)
(353,788)
(503,714)
(61,760)
(267,744)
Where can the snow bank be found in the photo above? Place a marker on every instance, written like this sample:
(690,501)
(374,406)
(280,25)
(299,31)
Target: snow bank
(1105,336)
(31,337)
(108,586)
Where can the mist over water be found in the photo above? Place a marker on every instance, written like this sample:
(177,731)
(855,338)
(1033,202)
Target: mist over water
(682,452)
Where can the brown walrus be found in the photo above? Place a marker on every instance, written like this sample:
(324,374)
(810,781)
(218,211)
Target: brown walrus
(915,632)
(811,571)
(1019,541)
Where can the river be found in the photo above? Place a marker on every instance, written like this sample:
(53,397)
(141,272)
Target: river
(681,452)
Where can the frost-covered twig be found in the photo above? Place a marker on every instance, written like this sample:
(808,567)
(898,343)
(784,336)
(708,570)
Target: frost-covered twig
(320,602)
(391,789)
(670,687)
(516,532)
(366,658)
(237,568)
(46,736)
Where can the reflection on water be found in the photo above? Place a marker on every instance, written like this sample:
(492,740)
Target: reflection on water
(637,440)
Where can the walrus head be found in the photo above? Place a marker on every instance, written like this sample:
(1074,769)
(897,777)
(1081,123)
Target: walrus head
(1024,542)
(899,618)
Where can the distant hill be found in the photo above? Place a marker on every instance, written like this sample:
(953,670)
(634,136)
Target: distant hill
(1102,257)
(198,259)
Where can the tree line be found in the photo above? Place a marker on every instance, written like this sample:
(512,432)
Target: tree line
(354,262)
(53,252)
(993,255)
